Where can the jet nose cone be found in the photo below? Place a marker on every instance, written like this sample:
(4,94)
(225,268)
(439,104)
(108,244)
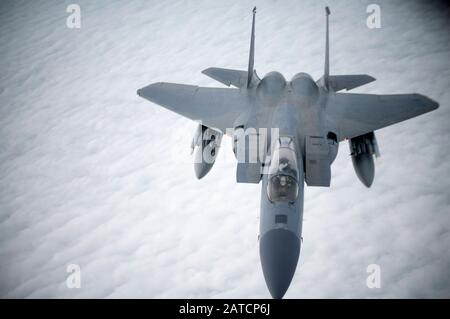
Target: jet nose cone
(279,250)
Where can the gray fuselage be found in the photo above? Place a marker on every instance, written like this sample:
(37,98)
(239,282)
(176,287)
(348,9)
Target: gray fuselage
(295,108)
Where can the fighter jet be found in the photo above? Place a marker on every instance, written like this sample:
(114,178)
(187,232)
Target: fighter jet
(285,134)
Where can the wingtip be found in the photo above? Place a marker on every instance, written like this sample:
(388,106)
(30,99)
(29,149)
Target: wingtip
(207,71)
(430,103)
(434,104)
(145,91)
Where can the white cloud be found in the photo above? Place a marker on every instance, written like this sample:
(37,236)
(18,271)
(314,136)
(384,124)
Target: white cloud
(88,173)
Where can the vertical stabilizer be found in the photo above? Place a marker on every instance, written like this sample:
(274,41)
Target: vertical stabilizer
(251,59)
(327,51)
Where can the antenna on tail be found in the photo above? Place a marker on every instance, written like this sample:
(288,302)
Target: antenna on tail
(327,51)
(251,59)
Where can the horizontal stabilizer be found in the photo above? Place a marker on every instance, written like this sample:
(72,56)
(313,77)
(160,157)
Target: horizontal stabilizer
(227,76)
(348,82)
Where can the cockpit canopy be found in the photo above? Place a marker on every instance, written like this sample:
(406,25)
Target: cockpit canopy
(283,172)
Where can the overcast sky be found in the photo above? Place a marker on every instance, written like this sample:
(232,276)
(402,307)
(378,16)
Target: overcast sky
(91,174)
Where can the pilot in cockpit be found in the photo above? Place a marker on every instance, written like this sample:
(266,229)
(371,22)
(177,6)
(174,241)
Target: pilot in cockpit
(283,172)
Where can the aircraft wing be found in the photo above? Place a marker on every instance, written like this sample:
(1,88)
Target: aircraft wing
(357,114)
(215,107)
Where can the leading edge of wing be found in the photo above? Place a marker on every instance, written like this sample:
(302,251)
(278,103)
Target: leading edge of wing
(214,107)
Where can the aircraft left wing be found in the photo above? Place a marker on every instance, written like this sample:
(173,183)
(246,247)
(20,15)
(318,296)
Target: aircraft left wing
(216,108)
(356,114)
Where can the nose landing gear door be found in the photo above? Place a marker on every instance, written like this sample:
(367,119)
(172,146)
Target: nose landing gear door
(317,161)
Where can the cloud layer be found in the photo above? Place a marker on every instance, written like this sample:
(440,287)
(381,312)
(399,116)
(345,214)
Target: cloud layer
(93,175)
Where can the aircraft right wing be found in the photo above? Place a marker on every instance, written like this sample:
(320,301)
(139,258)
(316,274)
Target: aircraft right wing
(357,114)
(217,108)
